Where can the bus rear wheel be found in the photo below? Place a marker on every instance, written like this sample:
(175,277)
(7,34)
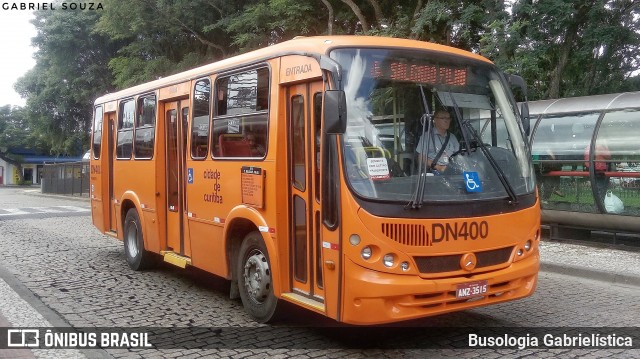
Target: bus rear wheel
(255,282)
(137,257)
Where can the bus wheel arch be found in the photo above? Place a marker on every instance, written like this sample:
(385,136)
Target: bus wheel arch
(239,224)
(125,207)
(236,230)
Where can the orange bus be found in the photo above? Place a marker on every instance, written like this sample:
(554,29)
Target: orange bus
(295,171)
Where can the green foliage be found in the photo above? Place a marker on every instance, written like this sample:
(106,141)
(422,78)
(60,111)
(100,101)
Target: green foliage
(263,23)
(16,132)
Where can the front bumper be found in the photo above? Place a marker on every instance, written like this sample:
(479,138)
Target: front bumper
(372,297)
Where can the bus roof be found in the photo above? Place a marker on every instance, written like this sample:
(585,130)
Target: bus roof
(585,103)
(311,45)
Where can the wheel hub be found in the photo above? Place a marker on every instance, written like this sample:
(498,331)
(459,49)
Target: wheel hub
(257,276)
(132,240)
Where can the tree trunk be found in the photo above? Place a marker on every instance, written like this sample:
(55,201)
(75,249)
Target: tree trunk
(356,10)
(416,13)
(330,21)
(570,41)
(377,10)
(591,78)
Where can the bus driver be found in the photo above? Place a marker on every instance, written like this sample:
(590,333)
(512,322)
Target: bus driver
(442,144)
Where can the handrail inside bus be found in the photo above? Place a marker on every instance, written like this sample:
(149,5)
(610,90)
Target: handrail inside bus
(586,174)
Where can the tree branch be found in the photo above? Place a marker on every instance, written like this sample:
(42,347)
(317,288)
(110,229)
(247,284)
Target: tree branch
(202,39)
(4,157)
(217,9)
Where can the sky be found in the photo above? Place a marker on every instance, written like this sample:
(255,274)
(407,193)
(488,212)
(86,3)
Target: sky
(17,56)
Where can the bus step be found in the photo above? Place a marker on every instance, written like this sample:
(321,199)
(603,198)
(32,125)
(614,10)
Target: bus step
(175,259)
(304,301)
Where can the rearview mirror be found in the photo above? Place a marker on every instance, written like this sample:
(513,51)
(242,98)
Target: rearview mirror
(335,112)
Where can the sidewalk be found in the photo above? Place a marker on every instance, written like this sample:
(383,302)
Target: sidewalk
(591,262)
(13,353)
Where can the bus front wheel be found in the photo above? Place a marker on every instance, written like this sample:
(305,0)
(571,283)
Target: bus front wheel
(137,257)
(255,281)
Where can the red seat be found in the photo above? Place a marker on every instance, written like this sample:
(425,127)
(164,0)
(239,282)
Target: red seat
(233,145)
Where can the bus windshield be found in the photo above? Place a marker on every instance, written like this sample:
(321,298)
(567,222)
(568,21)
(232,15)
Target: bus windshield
(395,99)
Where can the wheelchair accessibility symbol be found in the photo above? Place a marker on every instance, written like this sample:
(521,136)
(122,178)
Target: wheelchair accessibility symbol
(472,182)
(190,175)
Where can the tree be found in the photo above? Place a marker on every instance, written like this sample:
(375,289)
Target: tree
(569,48)
(16,134)
(70,72)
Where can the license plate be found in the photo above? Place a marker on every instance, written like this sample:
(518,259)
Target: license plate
(472,289)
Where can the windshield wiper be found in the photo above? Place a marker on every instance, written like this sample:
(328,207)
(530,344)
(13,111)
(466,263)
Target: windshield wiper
(465,125)
(425,120)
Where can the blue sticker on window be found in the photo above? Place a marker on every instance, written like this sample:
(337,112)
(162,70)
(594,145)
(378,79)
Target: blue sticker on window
(472,182)
(190,175)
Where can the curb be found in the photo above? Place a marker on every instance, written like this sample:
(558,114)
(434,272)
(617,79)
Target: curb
(59,196)
(612,278)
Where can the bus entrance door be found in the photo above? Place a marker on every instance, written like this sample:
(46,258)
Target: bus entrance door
(306,270)
(111,118)
(175,121)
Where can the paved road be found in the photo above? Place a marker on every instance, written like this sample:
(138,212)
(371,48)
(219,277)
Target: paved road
(59,271)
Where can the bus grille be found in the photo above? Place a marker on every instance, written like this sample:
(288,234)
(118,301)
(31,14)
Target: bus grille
(407,234)
(451,263)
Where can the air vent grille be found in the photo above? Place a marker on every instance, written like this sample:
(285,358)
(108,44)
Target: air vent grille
(408,234)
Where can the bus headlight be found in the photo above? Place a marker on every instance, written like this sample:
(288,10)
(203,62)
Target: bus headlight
(388,259)
(366,253)
(354,239)
(404,266)
(527,245)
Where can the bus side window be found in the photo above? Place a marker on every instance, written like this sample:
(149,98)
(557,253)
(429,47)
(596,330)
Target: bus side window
(241,117)
(124,146)
(145,127)
(200,118)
